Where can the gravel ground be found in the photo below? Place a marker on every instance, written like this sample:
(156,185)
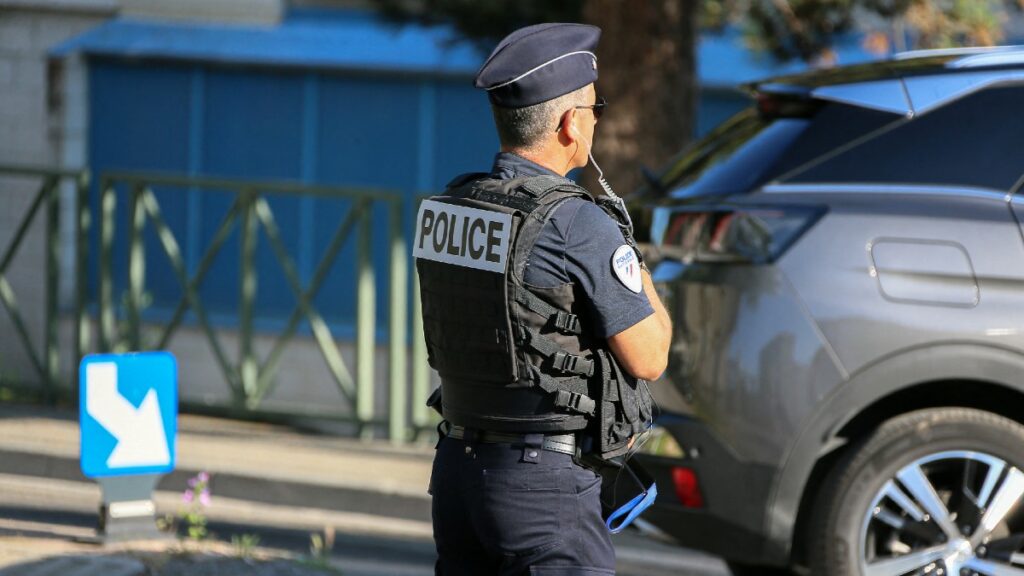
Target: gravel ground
(206,565)
(124,565)
(180,559)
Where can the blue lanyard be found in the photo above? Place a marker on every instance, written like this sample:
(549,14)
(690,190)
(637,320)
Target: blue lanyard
(632,509)
(636,505)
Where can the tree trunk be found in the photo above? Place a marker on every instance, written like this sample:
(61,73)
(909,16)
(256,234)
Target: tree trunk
(647,71)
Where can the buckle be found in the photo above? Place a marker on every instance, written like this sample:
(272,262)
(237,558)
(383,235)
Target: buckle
(565,362)
(572,364)
(521,335)
(567,322)
(575,402)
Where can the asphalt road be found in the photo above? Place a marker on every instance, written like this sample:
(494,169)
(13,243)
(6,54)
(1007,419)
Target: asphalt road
(270,482)
(364,554)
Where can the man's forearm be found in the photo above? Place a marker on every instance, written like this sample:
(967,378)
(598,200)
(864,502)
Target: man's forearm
(660,313)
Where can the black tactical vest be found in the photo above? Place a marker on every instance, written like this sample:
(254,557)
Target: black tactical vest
(514,357)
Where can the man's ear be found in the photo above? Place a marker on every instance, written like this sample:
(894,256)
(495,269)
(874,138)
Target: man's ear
(566,134)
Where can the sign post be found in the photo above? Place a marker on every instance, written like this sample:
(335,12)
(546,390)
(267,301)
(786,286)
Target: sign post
(128,415)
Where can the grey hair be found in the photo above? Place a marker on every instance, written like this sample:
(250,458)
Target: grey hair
(527,127)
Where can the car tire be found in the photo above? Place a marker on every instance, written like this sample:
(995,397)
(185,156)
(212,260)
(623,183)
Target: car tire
(862,518)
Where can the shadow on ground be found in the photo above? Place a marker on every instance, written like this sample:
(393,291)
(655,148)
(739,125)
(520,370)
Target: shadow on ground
(62,536)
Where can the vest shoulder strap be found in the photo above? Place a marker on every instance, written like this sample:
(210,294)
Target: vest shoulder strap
(479,186)
(550,192)
(541,187)
(506,193)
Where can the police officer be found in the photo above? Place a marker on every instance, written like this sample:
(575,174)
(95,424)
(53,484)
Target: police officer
(542,322)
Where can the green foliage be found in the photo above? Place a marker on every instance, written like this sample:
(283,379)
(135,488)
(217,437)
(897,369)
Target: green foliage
(195,524)
(244,545)
(167,523)
(953,23)
(797,29)
(320,547)
(806,29)
(786,29)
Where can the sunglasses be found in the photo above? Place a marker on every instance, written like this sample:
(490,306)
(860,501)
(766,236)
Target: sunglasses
(598,107)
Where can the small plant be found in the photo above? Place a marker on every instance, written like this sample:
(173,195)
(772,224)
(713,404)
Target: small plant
(320,547)
(196,498)
(167,523)
(245,545)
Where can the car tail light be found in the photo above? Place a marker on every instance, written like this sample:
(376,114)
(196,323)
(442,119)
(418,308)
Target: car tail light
(687,487)
(753,235)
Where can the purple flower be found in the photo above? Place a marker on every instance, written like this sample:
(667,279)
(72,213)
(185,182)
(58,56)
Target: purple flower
(187,496)
(204,498)
(192,482)
(203,477)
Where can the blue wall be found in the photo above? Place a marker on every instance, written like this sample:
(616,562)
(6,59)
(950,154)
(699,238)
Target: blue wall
(400,132)
(330,97)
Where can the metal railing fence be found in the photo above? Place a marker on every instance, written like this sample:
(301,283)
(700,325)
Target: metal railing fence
(47,199)
(251,378)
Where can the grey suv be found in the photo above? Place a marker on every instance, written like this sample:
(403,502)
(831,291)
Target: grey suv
(845,266)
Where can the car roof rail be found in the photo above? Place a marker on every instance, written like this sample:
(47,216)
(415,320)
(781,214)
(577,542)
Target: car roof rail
(1011,55)
(973,57)
(968,51)
(781,89)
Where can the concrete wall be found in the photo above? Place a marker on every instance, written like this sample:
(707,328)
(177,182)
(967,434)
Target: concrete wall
(43,112)
(221,11)
(32,98)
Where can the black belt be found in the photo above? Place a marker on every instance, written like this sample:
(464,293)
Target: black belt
(564,443)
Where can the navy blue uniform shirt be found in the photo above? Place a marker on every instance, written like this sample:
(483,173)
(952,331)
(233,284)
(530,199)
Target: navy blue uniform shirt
(576,245)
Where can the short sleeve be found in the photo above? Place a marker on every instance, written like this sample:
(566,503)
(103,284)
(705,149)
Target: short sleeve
(591,240)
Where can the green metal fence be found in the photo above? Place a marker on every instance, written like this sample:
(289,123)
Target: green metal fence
(251,378)
(46,201)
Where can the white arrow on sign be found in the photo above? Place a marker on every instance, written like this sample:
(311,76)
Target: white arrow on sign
(141,439)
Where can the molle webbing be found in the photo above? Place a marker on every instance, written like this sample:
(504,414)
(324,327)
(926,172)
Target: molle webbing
(475,345)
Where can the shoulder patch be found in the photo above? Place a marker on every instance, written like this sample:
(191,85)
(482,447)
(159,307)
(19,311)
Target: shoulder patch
(626,266)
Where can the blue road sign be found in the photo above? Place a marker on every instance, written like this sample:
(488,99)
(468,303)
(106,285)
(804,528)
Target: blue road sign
(128,413)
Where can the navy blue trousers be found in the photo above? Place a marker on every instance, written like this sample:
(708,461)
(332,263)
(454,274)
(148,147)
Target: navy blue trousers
(496,514)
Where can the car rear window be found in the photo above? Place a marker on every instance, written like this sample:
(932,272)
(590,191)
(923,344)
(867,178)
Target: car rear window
(974,141)
(753,147)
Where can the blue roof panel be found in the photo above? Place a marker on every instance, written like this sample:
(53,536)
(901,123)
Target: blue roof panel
(354,40)
(331,42)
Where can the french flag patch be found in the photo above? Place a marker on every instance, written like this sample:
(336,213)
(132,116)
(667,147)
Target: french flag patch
(626,266)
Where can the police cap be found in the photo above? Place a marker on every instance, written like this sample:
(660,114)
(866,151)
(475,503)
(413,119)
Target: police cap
(538,63)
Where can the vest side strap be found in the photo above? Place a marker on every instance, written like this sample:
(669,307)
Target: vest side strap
(564,321)
(560,359)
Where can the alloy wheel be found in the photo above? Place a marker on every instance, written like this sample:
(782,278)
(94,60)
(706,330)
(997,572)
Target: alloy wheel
(952,513)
